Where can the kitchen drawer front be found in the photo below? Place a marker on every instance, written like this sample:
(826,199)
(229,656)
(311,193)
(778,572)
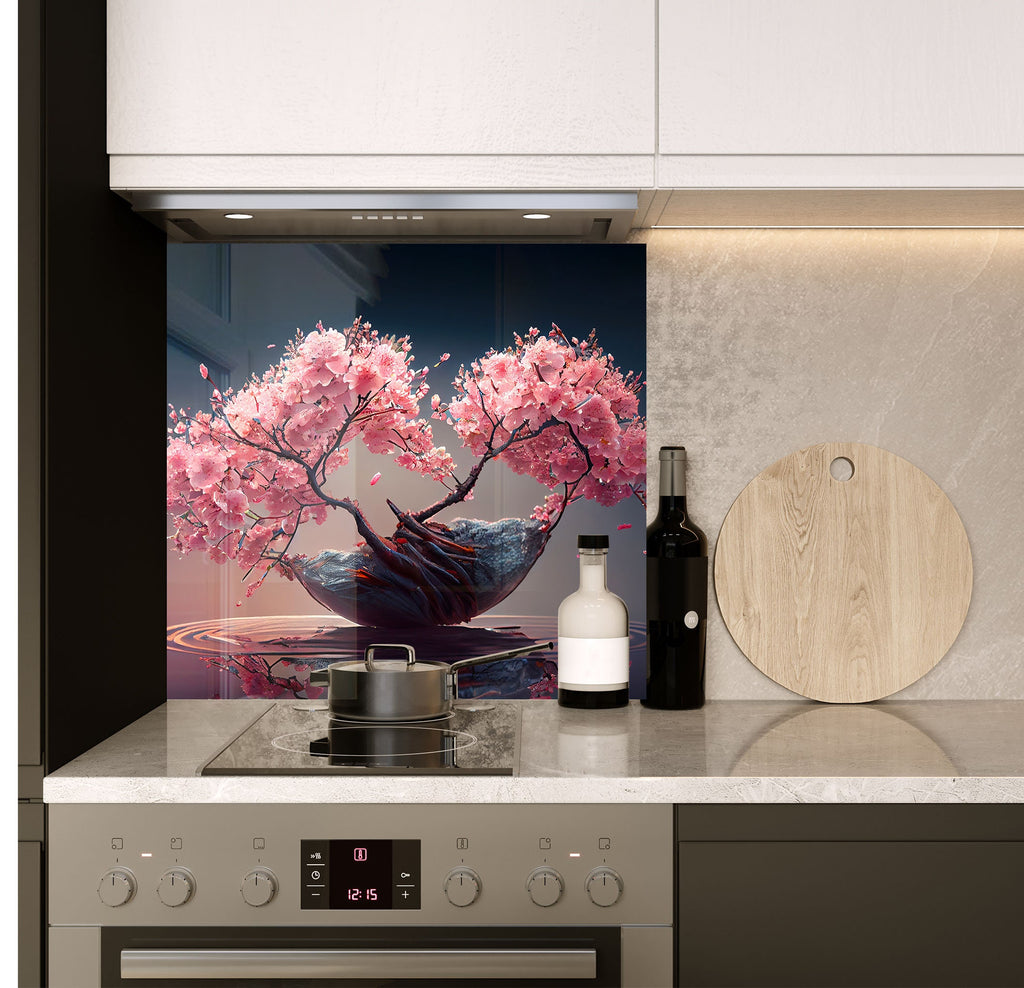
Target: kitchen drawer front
(822,913)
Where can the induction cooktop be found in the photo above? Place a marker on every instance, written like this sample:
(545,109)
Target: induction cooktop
(300,738)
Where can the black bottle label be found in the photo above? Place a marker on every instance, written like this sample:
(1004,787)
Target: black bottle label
(677,588)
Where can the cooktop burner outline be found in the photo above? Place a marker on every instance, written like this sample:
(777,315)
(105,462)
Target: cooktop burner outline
(304,738)
(277,742)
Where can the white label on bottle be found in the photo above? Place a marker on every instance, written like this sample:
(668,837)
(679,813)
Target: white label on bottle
(593,663)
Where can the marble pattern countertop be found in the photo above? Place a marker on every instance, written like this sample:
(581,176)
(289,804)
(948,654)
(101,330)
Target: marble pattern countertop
(965,751)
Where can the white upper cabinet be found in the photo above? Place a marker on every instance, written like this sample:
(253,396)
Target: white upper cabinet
(565,94)
(381,77)
(841,77)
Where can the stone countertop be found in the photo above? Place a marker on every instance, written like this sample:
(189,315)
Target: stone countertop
(966,751)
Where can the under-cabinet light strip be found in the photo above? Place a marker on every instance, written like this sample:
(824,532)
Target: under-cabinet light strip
(831,226)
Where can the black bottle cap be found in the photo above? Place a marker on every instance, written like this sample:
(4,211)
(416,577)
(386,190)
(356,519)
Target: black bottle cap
(672,453)
(592,542)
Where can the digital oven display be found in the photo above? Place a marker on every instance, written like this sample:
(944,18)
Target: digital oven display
(360,874)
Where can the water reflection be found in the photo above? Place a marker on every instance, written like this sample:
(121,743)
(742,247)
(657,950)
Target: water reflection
(318,640)
(843,740)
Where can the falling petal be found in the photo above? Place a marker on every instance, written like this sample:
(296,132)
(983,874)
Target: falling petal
(621,527)
(374,478)
(270,346)
(205,371)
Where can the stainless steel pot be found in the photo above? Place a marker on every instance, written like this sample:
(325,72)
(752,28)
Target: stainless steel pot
(395,690)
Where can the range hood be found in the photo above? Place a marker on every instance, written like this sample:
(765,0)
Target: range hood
(451,217)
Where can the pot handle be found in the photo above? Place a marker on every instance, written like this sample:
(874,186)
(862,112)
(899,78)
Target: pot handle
(368,655)
(319,677)
(454,667)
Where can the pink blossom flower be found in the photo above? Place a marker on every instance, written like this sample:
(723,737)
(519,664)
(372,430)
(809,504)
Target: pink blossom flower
(205,371)
(364,378)
(253,544)
(233,505)
(206,466)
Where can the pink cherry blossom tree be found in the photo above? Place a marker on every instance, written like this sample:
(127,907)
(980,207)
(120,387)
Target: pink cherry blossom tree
(244,476)
(557,410)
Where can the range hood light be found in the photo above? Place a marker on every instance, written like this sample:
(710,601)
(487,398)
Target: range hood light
(293,216)
(238,216)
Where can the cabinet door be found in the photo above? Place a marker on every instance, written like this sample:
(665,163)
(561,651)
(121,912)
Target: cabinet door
(850,913)
(391,77)
(802,77)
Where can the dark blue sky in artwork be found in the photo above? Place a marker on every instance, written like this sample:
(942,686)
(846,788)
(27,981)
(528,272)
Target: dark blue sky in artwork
(466,298)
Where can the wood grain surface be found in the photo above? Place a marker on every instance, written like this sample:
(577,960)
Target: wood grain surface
(843,590)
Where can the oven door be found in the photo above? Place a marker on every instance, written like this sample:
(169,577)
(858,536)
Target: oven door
(398,956)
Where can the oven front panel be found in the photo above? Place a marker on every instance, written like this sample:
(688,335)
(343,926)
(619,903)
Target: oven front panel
(569,956)
(626,957)
(273,865)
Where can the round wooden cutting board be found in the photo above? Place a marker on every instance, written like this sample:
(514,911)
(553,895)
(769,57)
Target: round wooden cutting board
(843,590)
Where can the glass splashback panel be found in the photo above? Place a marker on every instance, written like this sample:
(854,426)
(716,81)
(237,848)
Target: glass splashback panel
(416,469)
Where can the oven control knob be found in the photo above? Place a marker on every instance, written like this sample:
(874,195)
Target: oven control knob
(545,886)
(176,887)
(259,886)
(117,887)
(462,886)
(604,887)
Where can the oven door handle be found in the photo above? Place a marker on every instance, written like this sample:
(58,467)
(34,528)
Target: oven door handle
(447,965)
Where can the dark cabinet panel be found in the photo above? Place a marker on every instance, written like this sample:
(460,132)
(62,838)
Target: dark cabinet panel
(30,913)
(843,913)
(101,410)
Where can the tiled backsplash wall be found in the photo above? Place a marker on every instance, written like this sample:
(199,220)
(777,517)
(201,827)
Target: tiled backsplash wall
(761,342)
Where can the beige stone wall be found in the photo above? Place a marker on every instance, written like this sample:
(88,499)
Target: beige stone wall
(761,342)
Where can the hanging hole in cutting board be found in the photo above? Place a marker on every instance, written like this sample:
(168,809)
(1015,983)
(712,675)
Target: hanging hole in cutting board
(841,468)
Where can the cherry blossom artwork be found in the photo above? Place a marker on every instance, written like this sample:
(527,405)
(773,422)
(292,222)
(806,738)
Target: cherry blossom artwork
(246,474)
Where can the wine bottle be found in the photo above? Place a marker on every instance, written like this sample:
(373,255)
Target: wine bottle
(593,635)
(677,594)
